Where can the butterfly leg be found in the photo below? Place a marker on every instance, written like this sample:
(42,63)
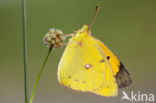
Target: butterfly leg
(68,35)
(63,44)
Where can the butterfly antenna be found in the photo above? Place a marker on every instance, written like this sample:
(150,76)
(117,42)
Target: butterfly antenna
(95,15)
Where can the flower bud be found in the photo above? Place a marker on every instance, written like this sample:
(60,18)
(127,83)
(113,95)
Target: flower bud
(54,38)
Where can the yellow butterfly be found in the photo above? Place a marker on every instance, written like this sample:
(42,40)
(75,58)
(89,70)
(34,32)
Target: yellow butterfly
(88,65)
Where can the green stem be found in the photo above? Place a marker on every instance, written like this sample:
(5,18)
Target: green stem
(25,50)
(38,76)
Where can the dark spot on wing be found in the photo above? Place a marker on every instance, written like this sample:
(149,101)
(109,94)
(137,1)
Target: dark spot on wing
(108,57)
(101,61)
(76,80)
(84,82)
(69,76)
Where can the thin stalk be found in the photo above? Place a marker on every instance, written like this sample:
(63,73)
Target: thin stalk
(25,50)
(38,76)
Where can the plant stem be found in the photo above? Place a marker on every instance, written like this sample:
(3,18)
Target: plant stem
(25,50)
(38,76)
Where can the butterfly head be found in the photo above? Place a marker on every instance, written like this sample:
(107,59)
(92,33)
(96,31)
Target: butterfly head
(83,32)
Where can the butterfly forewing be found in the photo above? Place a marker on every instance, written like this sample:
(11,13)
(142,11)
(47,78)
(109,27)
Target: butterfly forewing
(109,86)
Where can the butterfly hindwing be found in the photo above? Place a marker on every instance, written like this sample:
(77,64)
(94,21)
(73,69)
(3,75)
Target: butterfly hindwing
(85,67)
(81,66)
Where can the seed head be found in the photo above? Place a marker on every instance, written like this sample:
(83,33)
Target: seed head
(54,38)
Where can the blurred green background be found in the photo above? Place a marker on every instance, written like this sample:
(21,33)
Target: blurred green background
(128,27)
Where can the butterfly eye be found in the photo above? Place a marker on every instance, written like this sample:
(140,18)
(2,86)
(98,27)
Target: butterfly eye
(85,27)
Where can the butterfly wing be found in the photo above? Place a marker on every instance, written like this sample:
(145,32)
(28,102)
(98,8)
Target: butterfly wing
(121,74)
(109,86)
(84,67)
(80,67)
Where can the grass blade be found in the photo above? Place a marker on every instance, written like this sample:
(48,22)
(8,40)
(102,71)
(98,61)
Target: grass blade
(25,50)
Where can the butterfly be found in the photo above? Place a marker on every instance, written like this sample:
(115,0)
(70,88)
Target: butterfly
(88,65)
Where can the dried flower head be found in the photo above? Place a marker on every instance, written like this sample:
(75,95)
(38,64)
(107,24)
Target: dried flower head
(54,38)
